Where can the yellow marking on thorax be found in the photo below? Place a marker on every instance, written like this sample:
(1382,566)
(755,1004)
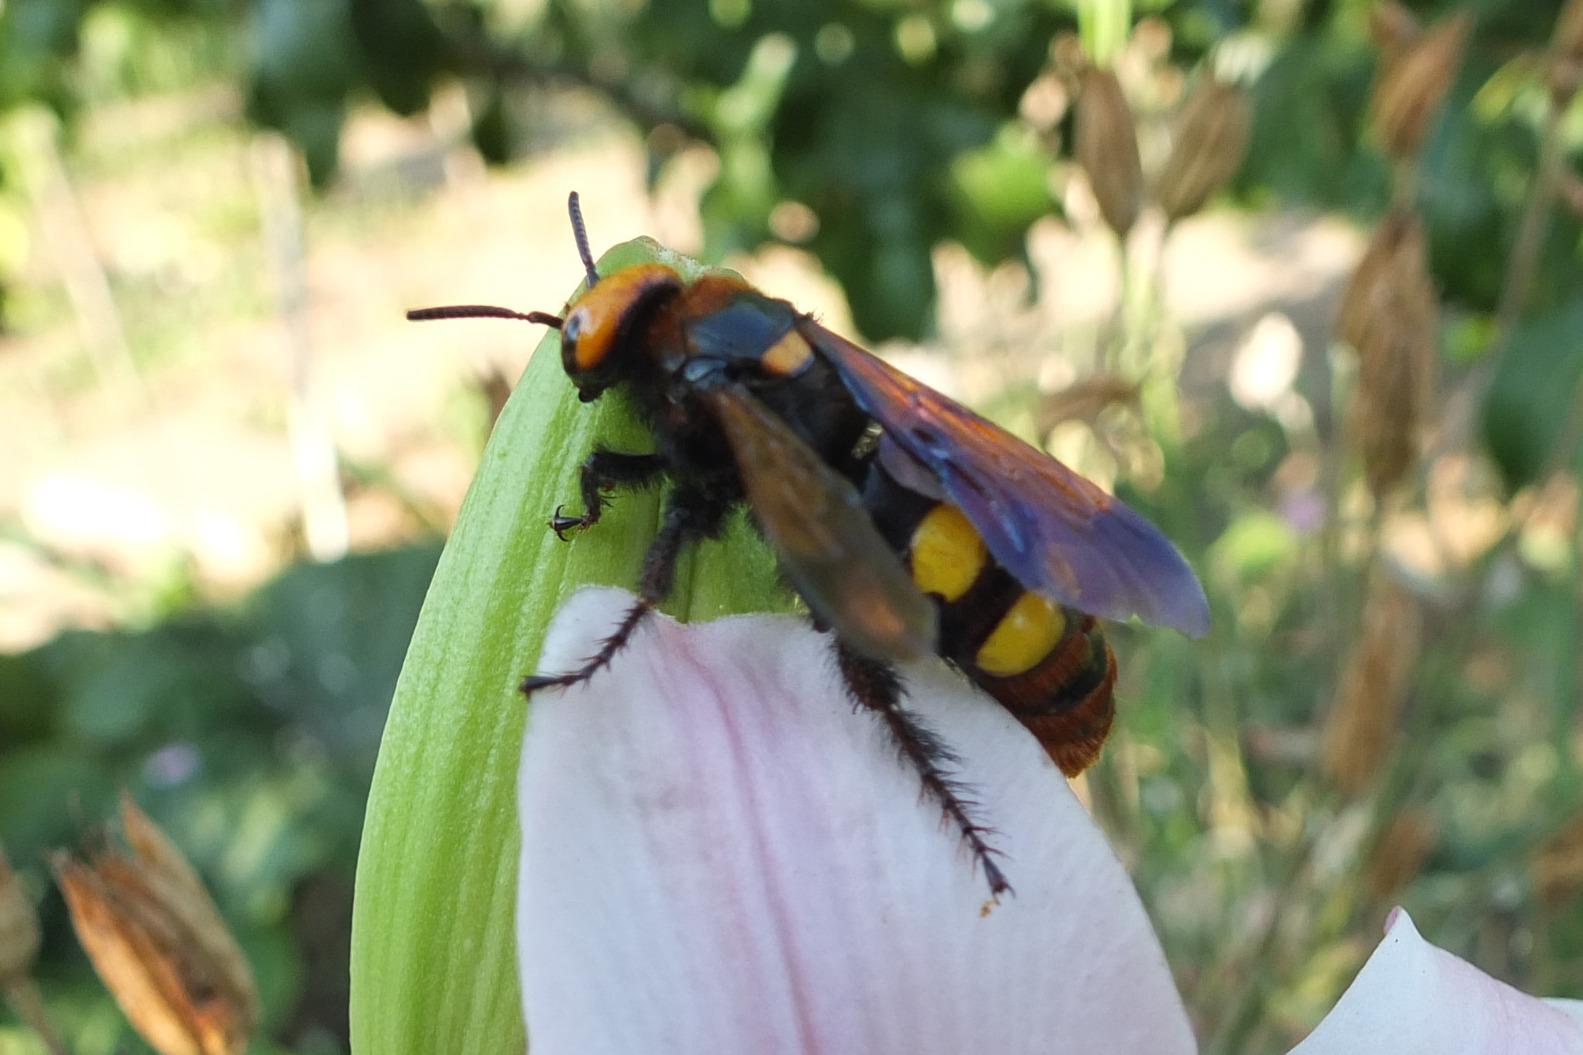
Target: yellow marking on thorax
(1026,634)
(787,356)
(946,553)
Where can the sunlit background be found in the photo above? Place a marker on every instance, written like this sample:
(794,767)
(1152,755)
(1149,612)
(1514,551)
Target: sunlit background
(1301,280)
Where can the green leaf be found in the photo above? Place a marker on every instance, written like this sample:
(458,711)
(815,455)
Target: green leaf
(433,960)
(403,50)
(1531,399)
(42,786)
(304,63)
(996,192)
(491,131)
(27,697)
(1254,545)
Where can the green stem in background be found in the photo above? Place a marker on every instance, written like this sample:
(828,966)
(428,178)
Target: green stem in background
(1102,26)
(1127,356)
(433,941)
(1155,363)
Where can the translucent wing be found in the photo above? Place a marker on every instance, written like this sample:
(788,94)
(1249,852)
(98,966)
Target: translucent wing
(1058,533)
(829,548)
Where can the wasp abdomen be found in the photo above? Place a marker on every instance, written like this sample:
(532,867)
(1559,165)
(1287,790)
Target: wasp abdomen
(1066,699)
(1049,665)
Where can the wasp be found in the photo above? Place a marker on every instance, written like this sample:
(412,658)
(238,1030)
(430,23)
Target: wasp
(907,523)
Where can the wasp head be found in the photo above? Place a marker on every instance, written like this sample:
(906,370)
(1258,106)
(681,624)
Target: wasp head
(607,322)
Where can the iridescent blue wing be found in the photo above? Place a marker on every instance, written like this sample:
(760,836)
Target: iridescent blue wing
(1058,533)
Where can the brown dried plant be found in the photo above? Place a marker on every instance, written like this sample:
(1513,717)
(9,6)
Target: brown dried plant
(1106,146)
(1086,399)
(1416,69)
(1360,730)
(158,942)
(1390,317)
(1211,137)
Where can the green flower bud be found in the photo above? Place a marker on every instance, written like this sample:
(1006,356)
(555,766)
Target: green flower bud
(433,963)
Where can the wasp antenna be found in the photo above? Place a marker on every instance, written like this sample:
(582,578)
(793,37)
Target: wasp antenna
(482,311)
(581,234)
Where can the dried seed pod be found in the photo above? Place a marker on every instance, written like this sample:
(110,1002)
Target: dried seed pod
(1368,291)
(18,926)
(1389,315)
(1411,87)
(1106,145)
(159,944)
(1360,729)
(1212,130)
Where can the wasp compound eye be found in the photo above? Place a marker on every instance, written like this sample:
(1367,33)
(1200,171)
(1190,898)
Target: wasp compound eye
(573,327)
(572,356)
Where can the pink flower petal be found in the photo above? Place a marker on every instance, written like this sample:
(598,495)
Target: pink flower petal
(1412,998)
(720,856)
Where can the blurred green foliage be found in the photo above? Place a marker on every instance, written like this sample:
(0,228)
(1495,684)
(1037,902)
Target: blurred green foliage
(250,736)
(896,124)
(1530,404)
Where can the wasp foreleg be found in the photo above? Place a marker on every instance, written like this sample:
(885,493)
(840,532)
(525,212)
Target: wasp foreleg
(689,515)
(604,470)
(876,686)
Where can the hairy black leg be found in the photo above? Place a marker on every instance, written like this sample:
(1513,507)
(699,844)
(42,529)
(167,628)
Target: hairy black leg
(876,686)
(601,471)
(689,515)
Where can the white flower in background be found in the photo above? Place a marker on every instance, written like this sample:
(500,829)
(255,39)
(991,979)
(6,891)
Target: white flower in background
(1412,998)
(718,855)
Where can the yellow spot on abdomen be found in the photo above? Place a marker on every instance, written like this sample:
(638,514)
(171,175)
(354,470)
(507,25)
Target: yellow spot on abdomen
(787,356)
(1026,634)
(946,553)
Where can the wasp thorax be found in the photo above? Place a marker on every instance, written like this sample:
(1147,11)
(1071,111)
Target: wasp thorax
(609,315)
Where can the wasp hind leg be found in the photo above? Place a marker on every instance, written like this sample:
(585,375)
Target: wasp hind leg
(877,687)
(604,470)
(689,515)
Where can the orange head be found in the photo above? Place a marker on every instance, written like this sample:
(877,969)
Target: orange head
(603,321)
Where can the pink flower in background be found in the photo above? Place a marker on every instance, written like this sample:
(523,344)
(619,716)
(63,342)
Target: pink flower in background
(720,856)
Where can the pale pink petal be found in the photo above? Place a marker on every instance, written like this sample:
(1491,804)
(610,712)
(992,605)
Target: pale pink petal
(720,856)
(1412,998)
